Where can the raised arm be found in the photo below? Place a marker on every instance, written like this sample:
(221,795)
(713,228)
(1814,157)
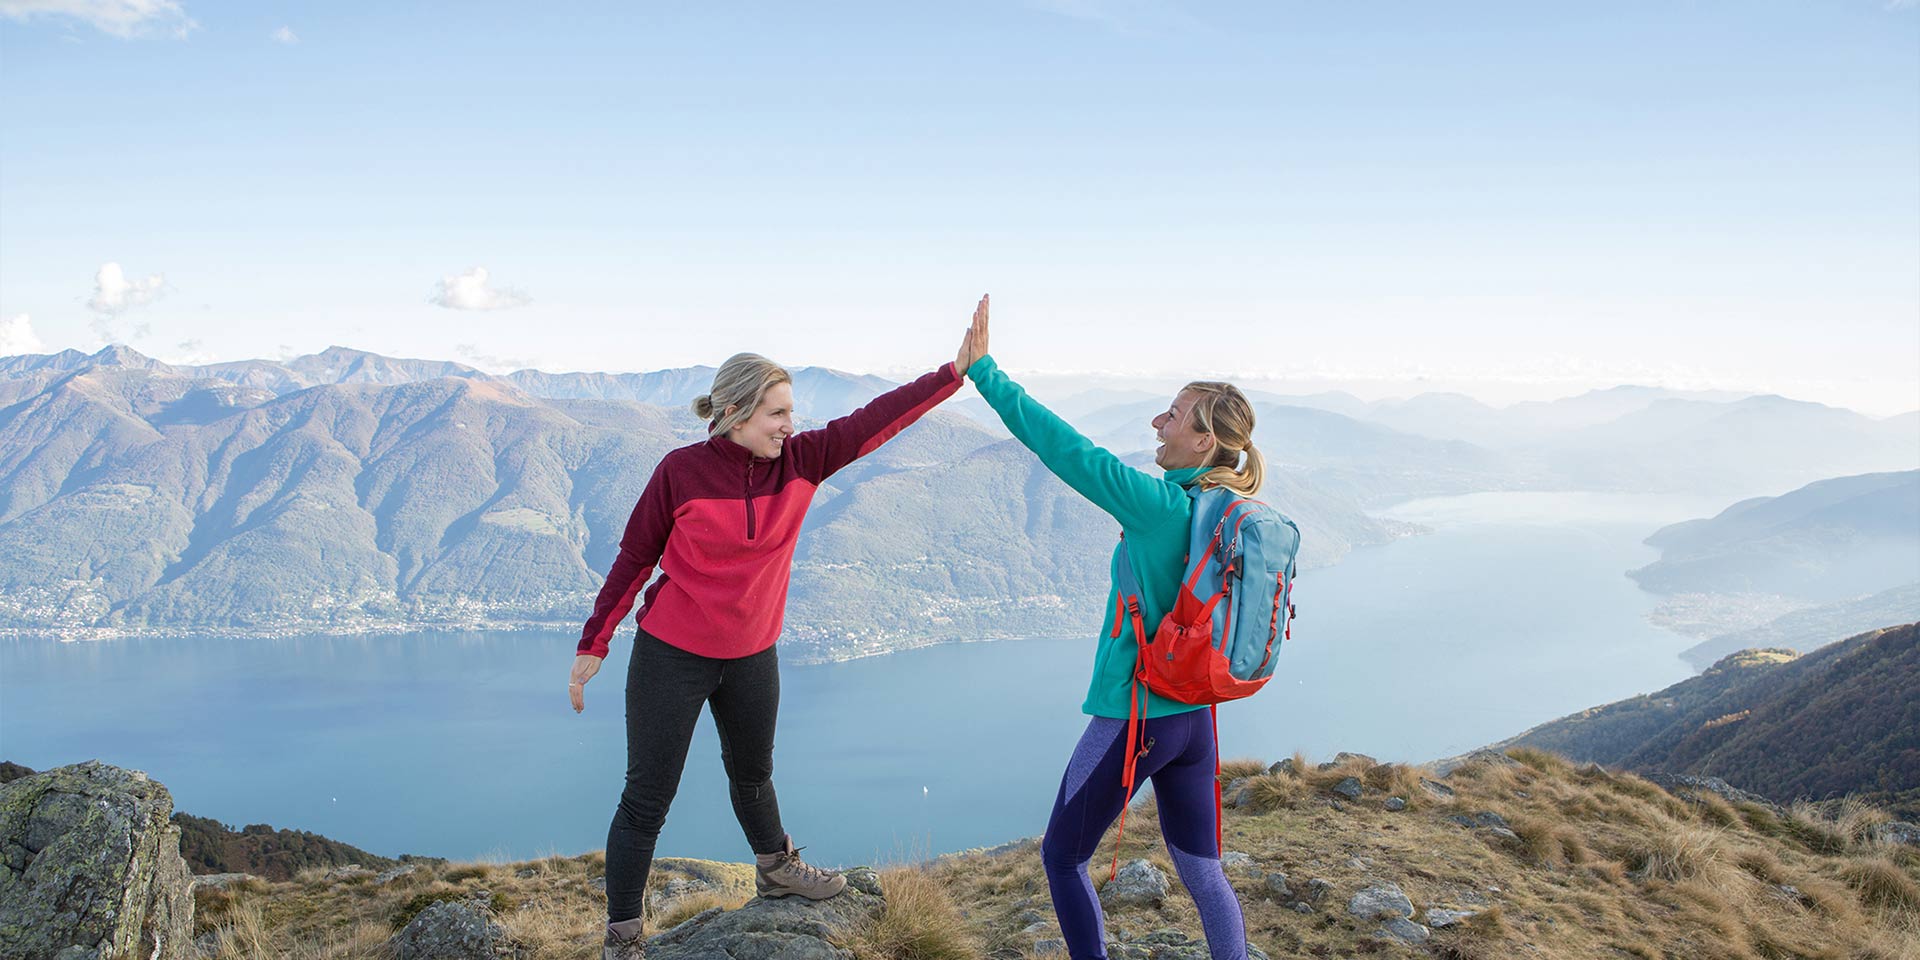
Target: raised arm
(819,454)
(1133,497)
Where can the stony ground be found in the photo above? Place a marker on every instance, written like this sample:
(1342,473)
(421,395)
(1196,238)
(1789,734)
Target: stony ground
(1522,856)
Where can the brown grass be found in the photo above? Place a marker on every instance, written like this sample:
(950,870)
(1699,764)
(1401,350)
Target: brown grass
(1608,865)
(920,922)
(1882,884)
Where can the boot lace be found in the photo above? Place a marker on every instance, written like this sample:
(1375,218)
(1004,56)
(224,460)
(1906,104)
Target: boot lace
(804,871)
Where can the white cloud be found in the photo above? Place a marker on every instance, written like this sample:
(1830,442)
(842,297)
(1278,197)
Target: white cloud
(191,353)
(114,294)
(474,290)
(285,35)
(17,336)
(492,363)
(122,18)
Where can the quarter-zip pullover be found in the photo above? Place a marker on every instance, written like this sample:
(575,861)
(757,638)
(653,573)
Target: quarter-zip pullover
(721,525)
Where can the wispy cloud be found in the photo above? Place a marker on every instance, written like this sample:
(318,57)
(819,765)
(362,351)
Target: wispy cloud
(191,353)
(492,363)
(285,35)
(17,336)
(114,293)
(121,18)
(474,290)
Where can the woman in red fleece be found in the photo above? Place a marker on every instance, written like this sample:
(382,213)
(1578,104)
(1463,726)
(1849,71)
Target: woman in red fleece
(720,519)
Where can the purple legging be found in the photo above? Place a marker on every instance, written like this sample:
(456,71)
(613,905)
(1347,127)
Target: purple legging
(1179,759)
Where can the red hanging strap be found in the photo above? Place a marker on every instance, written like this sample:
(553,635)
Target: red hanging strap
(1219,810)
(1136,728)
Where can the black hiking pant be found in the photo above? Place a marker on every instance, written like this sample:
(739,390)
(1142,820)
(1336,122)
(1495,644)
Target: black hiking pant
(666,687)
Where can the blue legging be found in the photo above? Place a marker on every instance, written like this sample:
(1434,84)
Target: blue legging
(1180,761)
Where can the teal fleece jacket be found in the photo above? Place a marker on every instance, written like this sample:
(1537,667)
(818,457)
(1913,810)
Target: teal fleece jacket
(1153,511)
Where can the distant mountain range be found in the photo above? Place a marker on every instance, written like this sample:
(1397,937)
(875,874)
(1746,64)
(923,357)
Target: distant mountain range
(143,498)
(1833,540)
(1843,719)
(345,490)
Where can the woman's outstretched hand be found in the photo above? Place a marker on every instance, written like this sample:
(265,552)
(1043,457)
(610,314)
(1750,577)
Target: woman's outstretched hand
(584,667)
(973,345)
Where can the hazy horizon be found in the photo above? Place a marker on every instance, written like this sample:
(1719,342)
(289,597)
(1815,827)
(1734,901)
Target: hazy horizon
(1498,396)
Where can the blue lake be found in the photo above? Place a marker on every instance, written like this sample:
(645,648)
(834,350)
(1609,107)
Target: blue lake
(1513,611)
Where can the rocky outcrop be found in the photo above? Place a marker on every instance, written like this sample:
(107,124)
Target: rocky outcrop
(90,868)
(455,930)
(791,928)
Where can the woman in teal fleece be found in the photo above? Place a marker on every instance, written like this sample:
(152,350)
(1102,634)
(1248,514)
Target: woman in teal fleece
(1206,440)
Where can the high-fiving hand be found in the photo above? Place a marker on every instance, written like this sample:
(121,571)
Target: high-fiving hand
(973,345)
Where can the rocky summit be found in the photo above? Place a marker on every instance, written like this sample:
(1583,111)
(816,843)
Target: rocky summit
(92,868)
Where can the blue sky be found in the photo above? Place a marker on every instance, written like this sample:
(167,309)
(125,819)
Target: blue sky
(1513,200)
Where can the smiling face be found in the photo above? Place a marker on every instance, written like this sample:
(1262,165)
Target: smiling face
(1180,444)
(764,434)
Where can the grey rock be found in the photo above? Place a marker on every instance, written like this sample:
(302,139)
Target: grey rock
(1278,886)
(1504,834)
(1343,757)
(221,881)
(1235,794)
(1381,902)
(1349,788)
(1437,788)
(1487,818)
(346,872)
(1300,906)
(1138,884)
(599,883)
(1689,788)
(674,890)
(790,928)
(1282,767)
(389,876)
(1234,861)
(1406,930)
(92,867)
(1027,918)
(1898,832)
(454,930)
(1396,804)
(1050,947)
(1317,890)
(1446,768)
(1463,820)
(1440,919)
(864,879)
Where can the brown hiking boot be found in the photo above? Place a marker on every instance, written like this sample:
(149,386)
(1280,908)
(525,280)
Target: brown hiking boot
(624,941)
(784,874)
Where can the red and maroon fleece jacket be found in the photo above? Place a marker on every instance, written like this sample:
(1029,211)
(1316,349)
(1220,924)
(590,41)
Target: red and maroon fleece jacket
(721,524)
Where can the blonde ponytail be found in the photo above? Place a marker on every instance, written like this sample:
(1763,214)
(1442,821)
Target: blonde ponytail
(1221,409)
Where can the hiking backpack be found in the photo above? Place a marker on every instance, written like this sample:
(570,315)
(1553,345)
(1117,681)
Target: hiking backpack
(1233,611)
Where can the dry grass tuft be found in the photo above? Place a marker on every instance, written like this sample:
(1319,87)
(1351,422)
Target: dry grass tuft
(920,922)
(1882,884)
(1682,852)
(1231,770)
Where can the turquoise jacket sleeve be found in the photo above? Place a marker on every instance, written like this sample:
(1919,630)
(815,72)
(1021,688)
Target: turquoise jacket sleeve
(1139,501)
